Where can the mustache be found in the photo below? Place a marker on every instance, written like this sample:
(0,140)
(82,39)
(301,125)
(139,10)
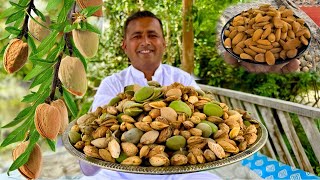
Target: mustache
(144,48)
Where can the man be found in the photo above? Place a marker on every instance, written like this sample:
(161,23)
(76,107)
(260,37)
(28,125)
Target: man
(144,44)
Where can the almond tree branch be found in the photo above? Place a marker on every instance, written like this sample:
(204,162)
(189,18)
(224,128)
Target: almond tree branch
(67,47)
(25,29)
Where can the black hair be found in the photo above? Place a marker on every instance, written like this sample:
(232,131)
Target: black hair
(140,14)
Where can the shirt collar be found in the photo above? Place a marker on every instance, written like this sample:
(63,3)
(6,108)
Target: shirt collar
(139,74)
(136,73)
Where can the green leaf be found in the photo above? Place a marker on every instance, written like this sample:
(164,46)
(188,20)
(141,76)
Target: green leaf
(40,96)
(17,134)
(40,61)
(18,6)
(39,13)
(13,30)
(64,11)
(88,11)
(20,117)
(44,86)
(18,23)
(46,76)
(46,45)
(53,4)
(11,10)
(24,157)
(36,70)
(23,2)
(70,27)
(54,52)
(32,44)
(78,54)
(59,26)
(4,35)
(51,144)
(15,16)
(92,28)
(29,97)
(70,103)
(42,91)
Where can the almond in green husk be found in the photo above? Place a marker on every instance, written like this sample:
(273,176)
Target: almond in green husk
(143,93)
(212,125)
(87,42)
(176,142)
(47,120)
(133,135)
(38,31)
(73,75)
(181,107)
(15,55)
(32,168)
(61,106)
(205,128)
(212,109)
(74,137)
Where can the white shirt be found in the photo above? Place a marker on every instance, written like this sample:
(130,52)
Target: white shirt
(114,84)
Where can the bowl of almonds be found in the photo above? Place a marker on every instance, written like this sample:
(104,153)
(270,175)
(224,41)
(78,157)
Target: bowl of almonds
(164,130)
(266,35)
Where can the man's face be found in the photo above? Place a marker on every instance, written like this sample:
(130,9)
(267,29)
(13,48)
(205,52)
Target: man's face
(144,43)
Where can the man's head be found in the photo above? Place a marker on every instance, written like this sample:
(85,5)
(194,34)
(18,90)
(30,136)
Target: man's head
(143,41)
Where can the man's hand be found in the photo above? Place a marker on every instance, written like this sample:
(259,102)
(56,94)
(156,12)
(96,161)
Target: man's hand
(291,66)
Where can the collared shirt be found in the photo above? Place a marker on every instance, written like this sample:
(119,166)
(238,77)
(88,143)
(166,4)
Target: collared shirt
(114,84)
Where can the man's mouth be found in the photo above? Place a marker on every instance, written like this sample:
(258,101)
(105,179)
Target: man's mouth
(145,51)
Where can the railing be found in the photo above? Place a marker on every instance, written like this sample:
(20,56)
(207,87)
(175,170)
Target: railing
(283,120)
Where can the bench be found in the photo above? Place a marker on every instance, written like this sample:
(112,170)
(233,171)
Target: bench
(278,116)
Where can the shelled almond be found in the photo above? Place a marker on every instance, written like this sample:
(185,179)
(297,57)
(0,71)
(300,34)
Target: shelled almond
(266,34)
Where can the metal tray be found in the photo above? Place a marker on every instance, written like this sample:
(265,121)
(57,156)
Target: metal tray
(261,140)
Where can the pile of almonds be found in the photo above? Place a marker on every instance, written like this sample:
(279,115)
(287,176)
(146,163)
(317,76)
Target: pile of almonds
(162,126)
(266,34)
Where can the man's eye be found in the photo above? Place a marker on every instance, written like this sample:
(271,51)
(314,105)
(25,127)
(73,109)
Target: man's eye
(136,37)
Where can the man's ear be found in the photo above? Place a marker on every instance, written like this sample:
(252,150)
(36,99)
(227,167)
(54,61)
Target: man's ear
(124,45)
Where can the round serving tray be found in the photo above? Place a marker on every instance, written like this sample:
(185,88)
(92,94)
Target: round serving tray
(261,140)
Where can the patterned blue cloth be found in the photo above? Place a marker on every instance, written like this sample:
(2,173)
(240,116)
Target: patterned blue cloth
(268,168)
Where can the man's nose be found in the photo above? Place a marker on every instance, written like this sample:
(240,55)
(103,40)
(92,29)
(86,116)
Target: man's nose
(145,40)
